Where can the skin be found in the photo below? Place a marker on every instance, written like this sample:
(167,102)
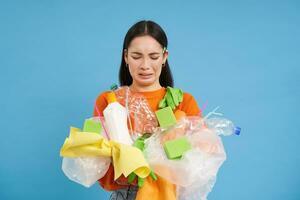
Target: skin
(145,58)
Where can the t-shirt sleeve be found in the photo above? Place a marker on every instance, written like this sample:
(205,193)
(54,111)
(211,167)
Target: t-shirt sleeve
(100,104)
(190,106)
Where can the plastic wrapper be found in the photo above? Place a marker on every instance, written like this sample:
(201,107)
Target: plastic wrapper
(195,173)
(142,118)
(85,170)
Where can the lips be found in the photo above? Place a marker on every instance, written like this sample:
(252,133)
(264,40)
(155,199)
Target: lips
(145,76)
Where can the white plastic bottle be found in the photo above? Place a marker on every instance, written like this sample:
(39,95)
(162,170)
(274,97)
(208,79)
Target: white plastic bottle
(222,126)
(116,120)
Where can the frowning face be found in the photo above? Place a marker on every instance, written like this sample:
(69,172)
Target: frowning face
(145,58)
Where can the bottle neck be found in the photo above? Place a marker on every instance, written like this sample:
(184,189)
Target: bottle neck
(111,97)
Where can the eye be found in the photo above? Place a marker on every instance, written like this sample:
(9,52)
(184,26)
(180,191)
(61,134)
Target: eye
(154,58)
(136,57)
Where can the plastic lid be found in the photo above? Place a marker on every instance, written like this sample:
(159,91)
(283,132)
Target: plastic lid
(111,97)
(237,130)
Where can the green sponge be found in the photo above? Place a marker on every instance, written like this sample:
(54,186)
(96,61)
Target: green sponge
(139,143)
(177,147)
(165,117)
(91,125)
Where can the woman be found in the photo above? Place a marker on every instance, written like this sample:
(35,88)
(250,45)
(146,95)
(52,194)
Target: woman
(145,69)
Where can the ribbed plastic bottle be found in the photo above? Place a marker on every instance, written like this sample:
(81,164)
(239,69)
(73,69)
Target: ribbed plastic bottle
(116,120)
(222,126)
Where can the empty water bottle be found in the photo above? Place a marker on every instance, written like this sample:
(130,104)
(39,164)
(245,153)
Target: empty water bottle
(222,126)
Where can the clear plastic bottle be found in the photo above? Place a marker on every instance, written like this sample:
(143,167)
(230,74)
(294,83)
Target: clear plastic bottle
(222,126)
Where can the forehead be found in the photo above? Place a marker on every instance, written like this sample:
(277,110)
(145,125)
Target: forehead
(144,44)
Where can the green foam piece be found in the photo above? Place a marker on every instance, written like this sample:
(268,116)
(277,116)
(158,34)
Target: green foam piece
(131,177)
(140,144)
(91,125)
(165,117)
(174,149)
(141,182)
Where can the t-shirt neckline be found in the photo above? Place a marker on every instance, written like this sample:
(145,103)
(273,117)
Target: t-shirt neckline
(153,93)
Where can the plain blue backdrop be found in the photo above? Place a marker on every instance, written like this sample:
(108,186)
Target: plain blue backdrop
(57,56)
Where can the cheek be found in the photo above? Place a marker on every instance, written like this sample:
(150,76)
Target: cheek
(158,69)
(133,68)
(133,65)
(132,71)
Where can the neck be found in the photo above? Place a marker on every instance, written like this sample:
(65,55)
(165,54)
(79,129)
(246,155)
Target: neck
(142,88)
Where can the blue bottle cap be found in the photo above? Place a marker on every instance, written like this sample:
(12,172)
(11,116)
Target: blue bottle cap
(237,130)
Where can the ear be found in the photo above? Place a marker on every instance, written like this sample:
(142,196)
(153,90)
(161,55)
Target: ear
(165,56)
(125,55)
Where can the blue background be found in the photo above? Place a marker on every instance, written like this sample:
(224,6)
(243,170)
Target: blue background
(57,56)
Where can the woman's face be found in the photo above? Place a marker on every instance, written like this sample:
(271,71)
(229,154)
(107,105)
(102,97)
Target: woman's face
(145,57)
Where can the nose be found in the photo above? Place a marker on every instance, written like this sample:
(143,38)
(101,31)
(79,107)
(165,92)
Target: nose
(145,65)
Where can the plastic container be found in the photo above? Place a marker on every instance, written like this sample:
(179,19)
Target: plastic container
(115,116)
(222,126)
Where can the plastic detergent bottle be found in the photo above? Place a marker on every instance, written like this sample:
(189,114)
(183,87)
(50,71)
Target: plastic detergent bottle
(222,126)
(116,120)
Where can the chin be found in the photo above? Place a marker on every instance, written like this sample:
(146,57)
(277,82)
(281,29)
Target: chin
(146,82)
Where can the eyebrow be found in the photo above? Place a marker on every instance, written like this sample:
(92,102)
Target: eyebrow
(153,53)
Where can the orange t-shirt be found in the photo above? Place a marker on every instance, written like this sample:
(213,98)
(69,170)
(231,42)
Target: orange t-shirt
(159,189)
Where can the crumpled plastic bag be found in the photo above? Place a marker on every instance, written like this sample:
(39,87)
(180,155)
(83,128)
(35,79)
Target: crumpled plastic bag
(195,173)
(85,170)
(143,119)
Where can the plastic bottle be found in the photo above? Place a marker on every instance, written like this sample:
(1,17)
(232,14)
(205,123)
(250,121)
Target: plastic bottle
(222,126)
(115,116)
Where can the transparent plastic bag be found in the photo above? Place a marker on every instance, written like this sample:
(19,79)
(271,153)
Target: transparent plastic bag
(85,170)
(198,167)
(142,118)
(197,191)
